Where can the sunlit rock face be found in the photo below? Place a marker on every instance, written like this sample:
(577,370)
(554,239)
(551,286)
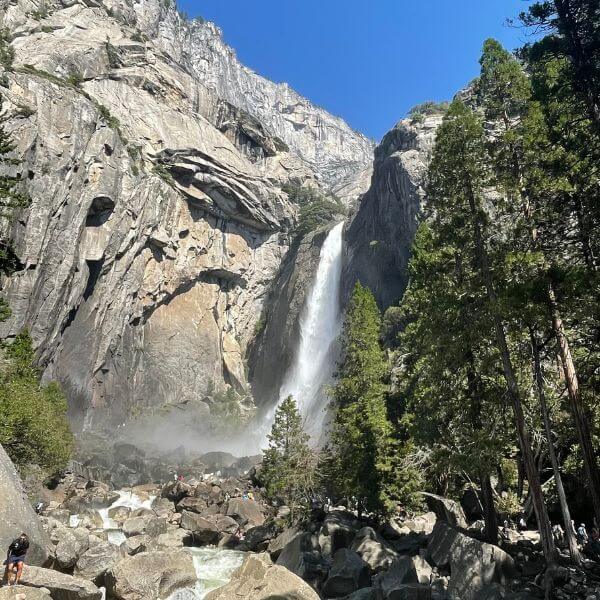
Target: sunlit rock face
(157,223)
(380,235)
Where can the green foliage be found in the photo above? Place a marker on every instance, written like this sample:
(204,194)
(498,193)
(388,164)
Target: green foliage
(365,459)
(34,429)
(316,209)
(75,78)
(7,52)
(288,470)
(418,113)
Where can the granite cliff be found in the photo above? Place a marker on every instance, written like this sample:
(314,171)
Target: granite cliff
(155,163)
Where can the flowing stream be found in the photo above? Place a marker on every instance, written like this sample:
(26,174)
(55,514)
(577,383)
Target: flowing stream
(214,566)
(320,326)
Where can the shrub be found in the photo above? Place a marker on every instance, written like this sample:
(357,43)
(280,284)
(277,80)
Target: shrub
(418,113)
(7,52)
(34,429)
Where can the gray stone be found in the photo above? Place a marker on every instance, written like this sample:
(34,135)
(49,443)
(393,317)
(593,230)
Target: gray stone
(246,512)
(373,550)
(150,575)
(348,573)
(21,592)
(60,585)
(404,570)
(446,510)
(72,543)
(473,564)
(17,515)
(302,556)
(204,531)
(94,563)
(259,579)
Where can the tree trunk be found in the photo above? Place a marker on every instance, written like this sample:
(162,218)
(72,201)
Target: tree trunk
(490,515)
(580,415)
(514,393)
(560,490)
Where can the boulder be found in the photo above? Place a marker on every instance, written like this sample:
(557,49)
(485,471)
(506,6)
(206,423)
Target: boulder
(473,564)
(94,563)
(119,513)
(259,579)
(21,592)
(407,591)
(246,512)
(137,543)
(302,556)
(204,532)
(446,510)
(147,524)
(90,518)
(190,504)
(60,514)
(258,538)
(373,549)
(162,507)
(176,491)
(363,594)
(404,570)
(422,523)
(72,543)
(150,575)
(337,531)
(348,573)
(173,538)
(278,543)
(17,515)
(60,585)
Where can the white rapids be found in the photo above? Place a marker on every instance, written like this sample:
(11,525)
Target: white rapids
(214,566)
(320,327)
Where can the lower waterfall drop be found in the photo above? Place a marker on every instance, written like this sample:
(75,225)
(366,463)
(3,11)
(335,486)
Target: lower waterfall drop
(320,327)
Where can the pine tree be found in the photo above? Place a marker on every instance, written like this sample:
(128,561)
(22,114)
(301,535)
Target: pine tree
(289,464)
(366,461)
(459,177)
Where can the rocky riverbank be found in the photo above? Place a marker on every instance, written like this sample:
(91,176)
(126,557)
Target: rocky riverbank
(213,535)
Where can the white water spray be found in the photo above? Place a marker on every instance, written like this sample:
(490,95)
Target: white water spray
(320,327)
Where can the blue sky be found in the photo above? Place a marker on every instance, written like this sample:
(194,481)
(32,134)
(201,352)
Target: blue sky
(368,61)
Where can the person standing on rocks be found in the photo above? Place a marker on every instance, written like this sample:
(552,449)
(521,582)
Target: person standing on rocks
(15,559)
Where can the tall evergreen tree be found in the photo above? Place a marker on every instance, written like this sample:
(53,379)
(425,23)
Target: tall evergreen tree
(365,460)
(458,180)
(289,464)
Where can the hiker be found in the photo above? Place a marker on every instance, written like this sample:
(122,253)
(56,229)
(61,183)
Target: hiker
(15,558)
(558,533)
(506,530)
(250,495)
(582,536)
(522,523)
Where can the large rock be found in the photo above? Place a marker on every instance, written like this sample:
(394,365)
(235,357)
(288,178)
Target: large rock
(204,532)
(473,564)
(403,571)
(302,556)
(17,515)
(337,531)
(60,585)
(21,592)
(72,543)
(348,573)
(259,579)
(150,575)
(246,512)
(146,524)
(96,561)
(259,538)
(446,510)
(373,549)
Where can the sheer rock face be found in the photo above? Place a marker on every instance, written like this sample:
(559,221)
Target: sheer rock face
(154,162)
(382,231)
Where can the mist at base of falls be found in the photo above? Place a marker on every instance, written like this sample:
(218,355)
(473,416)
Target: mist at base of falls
(312,369)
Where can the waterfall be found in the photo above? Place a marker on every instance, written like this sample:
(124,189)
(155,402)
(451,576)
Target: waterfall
(320,326)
